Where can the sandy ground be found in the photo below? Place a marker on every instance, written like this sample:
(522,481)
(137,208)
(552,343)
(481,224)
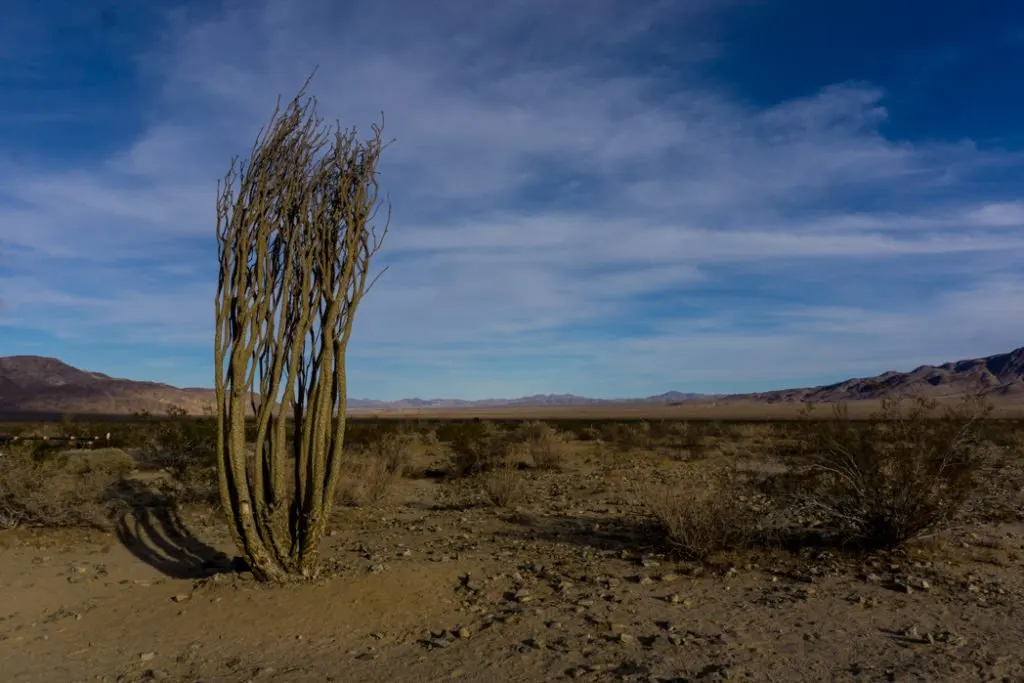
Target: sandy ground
(435,585)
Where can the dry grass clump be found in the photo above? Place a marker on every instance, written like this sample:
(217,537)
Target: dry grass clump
(504,485)
(479,447)
(544,446)
(394,449)
(627,437)
(72,489)
(902,475)
(703,514)
(684,440)
(185,447)
(366,480)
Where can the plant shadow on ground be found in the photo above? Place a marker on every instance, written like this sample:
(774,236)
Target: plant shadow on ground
(641,536)
(150,527)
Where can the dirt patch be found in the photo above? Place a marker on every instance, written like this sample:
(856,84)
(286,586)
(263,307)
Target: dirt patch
(572,582)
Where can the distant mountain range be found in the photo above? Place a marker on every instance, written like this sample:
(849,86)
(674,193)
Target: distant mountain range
(35,384)
(998,377)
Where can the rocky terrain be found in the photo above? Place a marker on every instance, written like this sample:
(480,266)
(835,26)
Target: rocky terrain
(572,583)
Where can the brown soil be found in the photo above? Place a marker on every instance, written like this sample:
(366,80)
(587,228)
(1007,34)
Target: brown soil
(435,585)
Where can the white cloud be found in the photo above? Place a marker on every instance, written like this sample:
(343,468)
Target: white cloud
(536,192)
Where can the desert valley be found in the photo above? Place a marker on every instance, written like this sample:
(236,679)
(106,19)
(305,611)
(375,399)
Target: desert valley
(664,539)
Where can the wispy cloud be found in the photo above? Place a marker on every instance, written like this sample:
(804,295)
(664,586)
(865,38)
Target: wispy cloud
(576,207)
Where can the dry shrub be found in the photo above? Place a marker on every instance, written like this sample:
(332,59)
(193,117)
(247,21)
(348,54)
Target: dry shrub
(184,446)
(703,515)
(366,481)
(627,437)
(544,446)
(685,439)
(903,474)
(394,449)
(479,447)
(504,485)
(65,490)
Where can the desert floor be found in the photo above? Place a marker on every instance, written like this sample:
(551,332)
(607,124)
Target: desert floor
(435,584)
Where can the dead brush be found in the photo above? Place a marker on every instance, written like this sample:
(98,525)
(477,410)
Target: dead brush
(366,480)
(504,485)
(60,491)
(545,447)
(394,449)
(479,447)
(684,440)
(627,437)
(702,515)
(900,476)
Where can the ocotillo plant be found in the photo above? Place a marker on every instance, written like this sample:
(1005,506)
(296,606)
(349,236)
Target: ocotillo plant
(295,240)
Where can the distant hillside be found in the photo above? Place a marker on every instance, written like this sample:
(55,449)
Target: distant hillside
(535,400)
(1000,377)
(35,384)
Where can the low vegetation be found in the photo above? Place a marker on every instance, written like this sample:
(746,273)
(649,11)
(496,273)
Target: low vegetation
(907,472)
(60,489)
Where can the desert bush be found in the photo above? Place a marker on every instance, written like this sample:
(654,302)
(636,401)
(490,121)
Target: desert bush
(366,481)
(180,442)
(703,514)
(543,445)
(685,440)
(184,446)
(626,437)
(503,484)
(479,447)
(394,449)
(901,475)
(63,490)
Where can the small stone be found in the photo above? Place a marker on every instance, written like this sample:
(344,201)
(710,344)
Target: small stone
(669,578)
(147,656)
(646,581)
(157,674)
(626,638)
(464,633)
(675,598)
(182,597)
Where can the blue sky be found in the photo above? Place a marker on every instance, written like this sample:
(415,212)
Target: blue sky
(699,195)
